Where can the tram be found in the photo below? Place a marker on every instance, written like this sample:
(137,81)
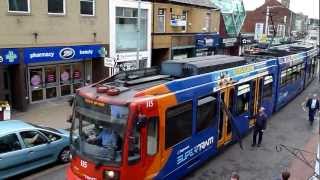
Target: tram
(161,123)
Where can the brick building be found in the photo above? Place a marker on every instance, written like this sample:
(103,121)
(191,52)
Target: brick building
(281,16)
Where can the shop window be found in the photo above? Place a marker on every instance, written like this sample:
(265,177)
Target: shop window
(126,29)
(161,28)
(267,87)
(243,97)
(20,6)
(270,30)
(281,30)
(56,7)
(87,7)
(9,143)
(206,112)
(152,138)
(178,118)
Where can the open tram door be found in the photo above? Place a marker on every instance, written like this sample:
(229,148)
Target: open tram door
(225,130)
(256,97)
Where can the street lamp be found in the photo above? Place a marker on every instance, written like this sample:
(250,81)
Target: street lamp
(267,17)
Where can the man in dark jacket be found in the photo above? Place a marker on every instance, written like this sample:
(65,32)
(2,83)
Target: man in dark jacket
(313,106)
(260,126)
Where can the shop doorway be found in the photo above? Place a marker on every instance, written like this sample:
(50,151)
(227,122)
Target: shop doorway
(5,86)
(52,81)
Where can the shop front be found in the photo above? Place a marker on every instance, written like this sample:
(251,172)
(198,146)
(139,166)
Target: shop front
(9,59)
(58,71)
(230,46)
(206,44)
(246,43)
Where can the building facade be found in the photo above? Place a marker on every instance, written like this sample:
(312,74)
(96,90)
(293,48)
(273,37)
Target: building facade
(183,29)
(49,48)
(280,19)
(130,36)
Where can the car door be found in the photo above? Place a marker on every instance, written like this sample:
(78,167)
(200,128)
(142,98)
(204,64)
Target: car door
(39,148)
(12,156)
(56,141)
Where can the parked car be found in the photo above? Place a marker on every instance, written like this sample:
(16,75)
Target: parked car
(25,146)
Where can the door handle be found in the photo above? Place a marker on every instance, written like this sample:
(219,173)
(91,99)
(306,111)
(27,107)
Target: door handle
(30,152)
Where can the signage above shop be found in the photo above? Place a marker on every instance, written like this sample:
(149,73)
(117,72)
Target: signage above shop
(9,56)
(247,40)
(45,54)
(207,41)
(227,42)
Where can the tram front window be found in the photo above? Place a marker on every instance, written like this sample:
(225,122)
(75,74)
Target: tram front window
(98,132)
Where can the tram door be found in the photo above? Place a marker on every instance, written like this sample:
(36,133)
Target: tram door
(257,86)
(225,130)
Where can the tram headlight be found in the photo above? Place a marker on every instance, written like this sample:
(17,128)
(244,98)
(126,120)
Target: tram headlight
(111,175)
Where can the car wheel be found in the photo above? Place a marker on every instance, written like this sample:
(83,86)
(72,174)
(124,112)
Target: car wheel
(64,156)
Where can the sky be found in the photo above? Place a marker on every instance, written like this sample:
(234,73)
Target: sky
(307,7)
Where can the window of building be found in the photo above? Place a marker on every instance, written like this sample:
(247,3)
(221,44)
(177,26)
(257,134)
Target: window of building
(207,22)
(161,21)
(270,30)
(127,36)
(87,7)
(33,138)
(206,112)
(267,87)
(20,6)
(56,7)
(281,30)
(243,98)
(184,17)
(9,143)
(178,118)
(152,138)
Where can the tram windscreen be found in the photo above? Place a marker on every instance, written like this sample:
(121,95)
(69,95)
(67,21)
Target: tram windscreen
(98,130)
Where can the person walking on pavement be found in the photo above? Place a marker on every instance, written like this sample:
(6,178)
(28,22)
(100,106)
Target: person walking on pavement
(313,106)
(260,126)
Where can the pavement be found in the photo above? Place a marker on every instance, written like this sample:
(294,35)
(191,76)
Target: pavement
(287,130)
(52,113)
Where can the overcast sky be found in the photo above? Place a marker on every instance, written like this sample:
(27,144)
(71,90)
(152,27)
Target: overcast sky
(307,7)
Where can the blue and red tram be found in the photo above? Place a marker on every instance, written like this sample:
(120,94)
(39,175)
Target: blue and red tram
(170,120)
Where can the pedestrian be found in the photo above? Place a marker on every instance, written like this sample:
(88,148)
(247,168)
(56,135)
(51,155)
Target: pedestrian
(235,176)
(313,106)
(260,126)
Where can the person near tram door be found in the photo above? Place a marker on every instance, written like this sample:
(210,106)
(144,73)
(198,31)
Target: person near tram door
(260,126)
(313,106)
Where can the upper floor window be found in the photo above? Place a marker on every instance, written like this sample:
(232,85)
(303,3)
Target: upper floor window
(87,7)
(56,7)
(207,22)
(185,18)
(21,6)
(161,21)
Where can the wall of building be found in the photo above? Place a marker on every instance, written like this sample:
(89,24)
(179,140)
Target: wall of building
(17,30)
(196,23)
(259,16)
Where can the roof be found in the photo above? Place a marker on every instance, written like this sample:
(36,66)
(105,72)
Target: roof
(13,126)
(203,3)
(215,62)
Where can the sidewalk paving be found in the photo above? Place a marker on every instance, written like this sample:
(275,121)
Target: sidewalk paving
(53,113)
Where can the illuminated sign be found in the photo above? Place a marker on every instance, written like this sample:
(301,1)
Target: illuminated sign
(92,102)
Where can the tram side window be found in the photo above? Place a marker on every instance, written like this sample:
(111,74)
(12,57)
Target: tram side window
(178,123)
(243,97)
(283,77)
(267,87)
(206,112)
(289,76)
(294,73)
(152,138)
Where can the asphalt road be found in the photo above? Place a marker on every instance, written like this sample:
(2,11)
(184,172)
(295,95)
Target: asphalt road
(289,127)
